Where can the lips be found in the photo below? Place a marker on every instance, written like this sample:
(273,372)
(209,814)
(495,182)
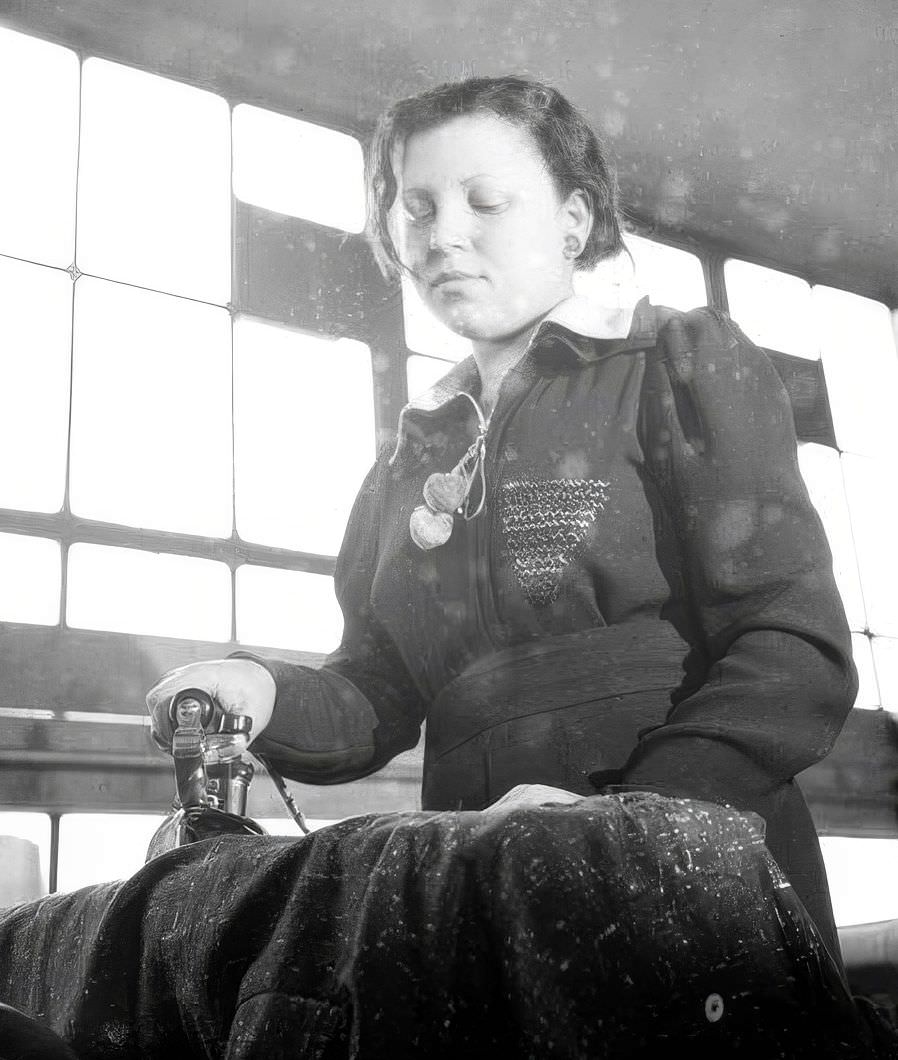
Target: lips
(450,276)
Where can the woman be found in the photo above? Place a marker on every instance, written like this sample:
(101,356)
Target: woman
(599,507)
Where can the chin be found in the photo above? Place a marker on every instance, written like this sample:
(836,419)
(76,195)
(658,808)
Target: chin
(466,321)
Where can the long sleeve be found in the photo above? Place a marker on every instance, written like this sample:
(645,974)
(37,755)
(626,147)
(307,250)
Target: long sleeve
(769,678)
(358,710)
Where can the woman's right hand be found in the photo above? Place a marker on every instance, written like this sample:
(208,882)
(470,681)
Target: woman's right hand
(239,686)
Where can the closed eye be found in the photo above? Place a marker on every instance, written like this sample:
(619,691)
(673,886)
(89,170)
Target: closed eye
(489,207)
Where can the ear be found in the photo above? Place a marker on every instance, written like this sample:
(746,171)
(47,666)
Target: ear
(576,217)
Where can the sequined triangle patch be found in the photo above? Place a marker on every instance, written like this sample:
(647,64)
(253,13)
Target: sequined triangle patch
(546,524)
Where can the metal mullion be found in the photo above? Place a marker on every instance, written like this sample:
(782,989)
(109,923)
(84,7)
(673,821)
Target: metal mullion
(31,261)
(712,266)
(66,495)
(153,290)
(232,244)
(53,870)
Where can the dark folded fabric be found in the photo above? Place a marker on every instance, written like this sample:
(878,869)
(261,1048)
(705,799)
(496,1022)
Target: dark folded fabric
(621,926)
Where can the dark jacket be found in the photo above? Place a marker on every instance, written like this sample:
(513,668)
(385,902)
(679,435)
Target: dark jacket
(647,599)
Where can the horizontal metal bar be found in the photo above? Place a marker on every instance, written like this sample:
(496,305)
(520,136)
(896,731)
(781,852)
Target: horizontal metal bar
(78,760)
(69,529)
(48,668)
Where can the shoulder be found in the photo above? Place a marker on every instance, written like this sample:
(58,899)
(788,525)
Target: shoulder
(701,330)
(713,380)
(705,347)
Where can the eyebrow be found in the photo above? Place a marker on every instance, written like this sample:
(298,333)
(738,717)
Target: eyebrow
(466,181)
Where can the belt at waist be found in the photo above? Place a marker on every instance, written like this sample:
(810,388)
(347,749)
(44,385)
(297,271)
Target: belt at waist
(551,673)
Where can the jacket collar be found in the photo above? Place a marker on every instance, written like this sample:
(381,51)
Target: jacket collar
(567,336)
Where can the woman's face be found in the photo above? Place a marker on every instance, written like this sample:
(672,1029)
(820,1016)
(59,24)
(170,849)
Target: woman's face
(482,228)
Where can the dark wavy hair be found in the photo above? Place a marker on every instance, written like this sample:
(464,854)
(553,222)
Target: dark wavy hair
(572,152)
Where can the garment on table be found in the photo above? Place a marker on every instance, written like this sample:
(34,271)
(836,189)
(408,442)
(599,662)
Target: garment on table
(630,925)
(646,600)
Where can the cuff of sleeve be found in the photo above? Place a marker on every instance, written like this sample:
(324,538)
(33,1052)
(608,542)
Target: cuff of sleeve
(321,729)
(693,767)
(316,767)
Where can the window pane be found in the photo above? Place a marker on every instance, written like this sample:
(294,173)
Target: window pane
(287,609)
(423,372)
(822,471)
(297,168)
(25,871)
(154,197)
(885,658)
(670,276)
(128,591)
(31,576)
(35,353)
(613,282)
(304,434)
(873,502)
(862,874)
(773,308)
(151,410)
(39,147)
(868,689)
(861,368)
(424,333)
(100,847)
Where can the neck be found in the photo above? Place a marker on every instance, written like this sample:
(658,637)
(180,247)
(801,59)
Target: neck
(495,357)
(494,360)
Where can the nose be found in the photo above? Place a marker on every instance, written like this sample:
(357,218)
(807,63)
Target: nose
(451,227)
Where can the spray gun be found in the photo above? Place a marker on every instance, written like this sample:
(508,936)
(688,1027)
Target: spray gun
(212,775)
(207,747)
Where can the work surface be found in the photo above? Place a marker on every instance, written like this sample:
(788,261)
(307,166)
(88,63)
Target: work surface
(615,927)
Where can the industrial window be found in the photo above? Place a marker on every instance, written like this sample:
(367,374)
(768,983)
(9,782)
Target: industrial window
(99,847)
(857,344)
(424,333)
(303,434)
(159,594)
(39,131)
(172,457)
(868,696)
(861,875)
(821,468)
(91,848)
(287,609)
(422,372)
(30,573)
(299,169)
(874,509)
(669,275)
(775,309)
(885,657)
(151,410)
(35,352)
(27,868)
(154,202)
(851,486)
